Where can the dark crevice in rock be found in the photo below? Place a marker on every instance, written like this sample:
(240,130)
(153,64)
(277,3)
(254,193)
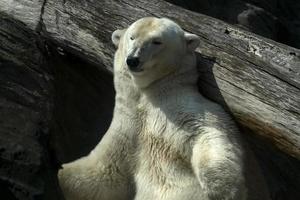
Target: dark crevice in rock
(275,19)
(84,100)
(41,25)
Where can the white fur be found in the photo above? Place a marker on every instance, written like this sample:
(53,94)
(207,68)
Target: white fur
(166,141)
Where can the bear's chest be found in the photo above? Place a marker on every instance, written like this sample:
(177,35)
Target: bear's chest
(160,162)
(164,151)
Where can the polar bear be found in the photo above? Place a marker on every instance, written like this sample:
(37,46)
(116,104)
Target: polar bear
(166,141)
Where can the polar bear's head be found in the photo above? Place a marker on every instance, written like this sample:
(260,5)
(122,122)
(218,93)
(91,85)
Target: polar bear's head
(153,48)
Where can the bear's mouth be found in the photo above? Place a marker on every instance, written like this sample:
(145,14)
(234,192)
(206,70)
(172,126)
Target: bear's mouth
(136,69)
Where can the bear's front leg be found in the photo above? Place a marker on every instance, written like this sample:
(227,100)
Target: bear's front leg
(217,161)
(102,175)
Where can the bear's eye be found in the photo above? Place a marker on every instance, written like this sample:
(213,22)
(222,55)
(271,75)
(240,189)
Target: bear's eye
(132,38)
(156,42)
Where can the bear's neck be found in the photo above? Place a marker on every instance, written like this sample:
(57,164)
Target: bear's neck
(174,84)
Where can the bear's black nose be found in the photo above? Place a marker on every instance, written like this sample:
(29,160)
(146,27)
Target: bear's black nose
(133,63)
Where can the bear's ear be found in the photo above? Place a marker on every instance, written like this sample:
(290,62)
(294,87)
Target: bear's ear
(192,41)
(116,36)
